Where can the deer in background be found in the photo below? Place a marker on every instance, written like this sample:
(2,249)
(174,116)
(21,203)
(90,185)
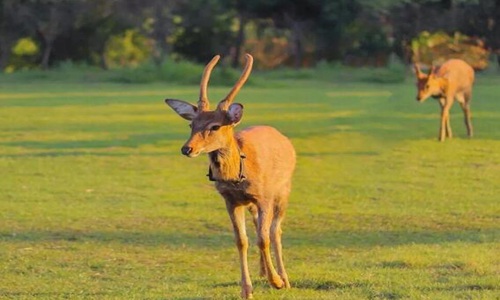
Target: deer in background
(451,81)
(252,169)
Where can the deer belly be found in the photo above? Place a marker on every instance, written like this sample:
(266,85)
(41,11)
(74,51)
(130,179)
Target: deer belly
(236,192)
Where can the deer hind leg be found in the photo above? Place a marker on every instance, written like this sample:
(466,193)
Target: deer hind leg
(465,104)
(237,215)
(255,218)
(445,128)
(276,232)
(265,220)
(448,127)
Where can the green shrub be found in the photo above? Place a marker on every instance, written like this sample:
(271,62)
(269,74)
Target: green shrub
(395,72)
(436,48)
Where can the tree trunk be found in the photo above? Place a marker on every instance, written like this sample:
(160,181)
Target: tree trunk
(240,40)
(103,62)
(4,55)
(47,49)
(447,4)
(297,47)
(161,49)
(496,31)
(46,55)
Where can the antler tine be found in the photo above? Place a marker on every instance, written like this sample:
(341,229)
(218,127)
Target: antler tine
(203,103)
(417,69)
(432,70)
(224,104)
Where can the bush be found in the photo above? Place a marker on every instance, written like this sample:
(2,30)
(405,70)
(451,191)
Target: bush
(180,72)
(395,72)
(436,48)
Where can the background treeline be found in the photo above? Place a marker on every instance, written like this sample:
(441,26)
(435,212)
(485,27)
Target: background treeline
(298,33)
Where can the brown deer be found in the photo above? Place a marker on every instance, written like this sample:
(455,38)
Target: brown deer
(252,169)
(452,81)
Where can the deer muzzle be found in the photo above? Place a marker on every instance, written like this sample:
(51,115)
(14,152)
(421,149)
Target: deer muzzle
(186,150)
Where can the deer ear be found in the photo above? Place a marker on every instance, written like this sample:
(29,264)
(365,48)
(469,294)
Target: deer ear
(182,108)
(418,72)
(235,113)
(417,69)
(432,71)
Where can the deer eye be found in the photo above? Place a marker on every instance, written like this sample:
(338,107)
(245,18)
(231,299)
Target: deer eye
(215,127)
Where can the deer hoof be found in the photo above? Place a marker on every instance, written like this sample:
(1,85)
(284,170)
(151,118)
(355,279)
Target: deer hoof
(246,292)
(278,283)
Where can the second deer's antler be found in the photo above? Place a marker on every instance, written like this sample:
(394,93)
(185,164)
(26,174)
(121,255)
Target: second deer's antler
(203,103)
(224,104)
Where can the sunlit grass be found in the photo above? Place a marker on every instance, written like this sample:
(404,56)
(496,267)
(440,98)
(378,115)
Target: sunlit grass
(96,201)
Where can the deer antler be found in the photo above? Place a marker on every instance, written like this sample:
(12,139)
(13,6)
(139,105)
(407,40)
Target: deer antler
(224,104)
(203,103)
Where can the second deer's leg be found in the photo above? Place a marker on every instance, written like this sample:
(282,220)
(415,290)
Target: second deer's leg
(237,215)
(276,233)
(265,220)
(448,127)
(445,129)
(255,218)
(467,114)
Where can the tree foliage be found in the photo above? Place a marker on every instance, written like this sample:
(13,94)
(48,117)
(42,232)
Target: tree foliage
(294,32)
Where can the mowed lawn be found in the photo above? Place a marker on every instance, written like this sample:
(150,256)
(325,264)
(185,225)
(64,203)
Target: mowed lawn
(97,202)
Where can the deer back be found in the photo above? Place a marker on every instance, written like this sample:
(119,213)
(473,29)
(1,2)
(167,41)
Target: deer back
(459,75)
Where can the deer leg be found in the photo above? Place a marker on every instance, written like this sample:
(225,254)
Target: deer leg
(237,215)
(445,114)
(448,127)
(265,219)
(276,233)
(255,218)
(467,114)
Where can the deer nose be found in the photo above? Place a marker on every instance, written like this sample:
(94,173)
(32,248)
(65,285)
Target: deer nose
(186,150)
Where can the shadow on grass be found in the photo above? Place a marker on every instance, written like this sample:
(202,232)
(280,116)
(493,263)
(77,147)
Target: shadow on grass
(387,120)
(382,126)
(392,238)
(114,153)
(463,288)
(327,285)
(53,295)
(353,153)
(132,141)
(225,239)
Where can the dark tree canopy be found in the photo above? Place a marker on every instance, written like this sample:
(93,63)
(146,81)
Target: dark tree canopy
(340,30)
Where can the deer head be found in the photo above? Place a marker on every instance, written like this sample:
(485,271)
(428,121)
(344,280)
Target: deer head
(211,129)
(427,84)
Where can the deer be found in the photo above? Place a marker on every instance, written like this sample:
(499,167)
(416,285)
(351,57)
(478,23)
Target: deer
(252,170)
(453,80)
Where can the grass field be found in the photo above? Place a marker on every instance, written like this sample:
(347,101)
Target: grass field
(98,203)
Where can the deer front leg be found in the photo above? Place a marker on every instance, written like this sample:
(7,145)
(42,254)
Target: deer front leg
(255,218)
(265,219)
(278,248)
(445,114)
(467,114)
(237,215)
(448,127)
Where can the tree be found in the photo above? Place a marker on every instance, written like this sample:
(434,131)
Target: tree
(204,28)
(9,30)
(296,16)
(102,20)
(331,25)
(47,20)
(155,20)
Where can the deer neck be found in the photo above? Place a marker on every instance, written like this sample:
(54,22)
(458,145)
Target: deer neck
(226,163)
(443,82)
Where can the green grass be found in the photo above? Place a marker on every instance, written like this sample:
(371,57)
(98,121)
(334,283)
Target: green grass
(97,202)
